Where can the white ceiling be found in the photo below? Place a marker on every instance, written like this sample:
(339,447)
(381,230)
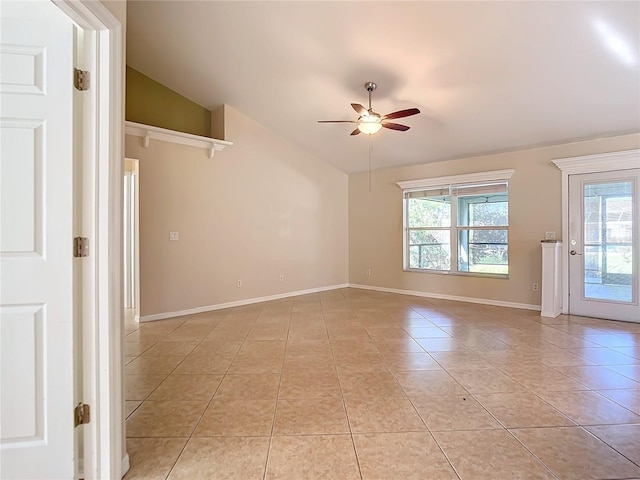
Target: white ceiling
(487,76)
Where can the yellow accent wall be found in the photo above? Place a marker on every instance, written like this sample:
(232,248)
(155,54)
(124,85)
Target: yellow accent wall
(151,103)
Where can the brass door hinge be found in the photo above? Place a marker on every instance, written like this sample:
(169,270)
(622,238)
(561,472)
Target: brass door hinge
(81,79)
(80,247)
(81,414)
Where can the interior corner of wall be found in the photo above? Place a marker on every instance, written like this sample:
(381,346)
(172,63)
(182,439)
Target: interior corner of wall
(218,123)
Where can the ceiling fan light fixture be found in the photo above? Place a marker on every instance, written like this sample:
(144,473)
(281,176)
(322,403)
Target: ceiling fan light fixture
(369,124)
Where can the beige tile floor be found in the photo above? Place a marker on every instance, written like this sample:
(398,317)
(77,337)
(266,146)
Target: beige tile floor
(367,385)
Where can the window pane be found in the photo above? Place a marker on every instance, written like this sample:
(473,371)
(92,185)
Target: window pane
(608,236)
(618,220)
(487,211)
(607,273)
(592,264)
(488,214)
(429,249)
(483,251)
(592,217)
(429,212)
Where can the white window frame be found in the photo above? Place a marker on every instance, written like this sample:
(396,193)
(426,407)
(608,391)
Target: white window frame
(447,182)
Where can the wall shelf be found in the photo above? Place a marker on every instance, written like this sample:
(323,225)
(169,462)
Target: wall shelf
(148,133)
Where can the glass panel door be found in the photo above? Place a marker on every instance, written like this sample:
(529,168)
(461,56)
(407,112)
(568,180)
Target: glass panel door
(603,245)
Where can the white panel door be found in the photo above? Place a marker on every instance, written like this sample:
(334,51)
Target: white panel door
(36,294)
(604,241)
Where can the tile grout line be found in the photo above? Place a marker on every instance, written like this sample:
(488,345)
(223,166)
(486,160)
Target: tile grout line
(607,443)
(191,435)
(533,454)
(423,420)
(275,410)
(186,438)
(205,409)
(166,376)
(344,405)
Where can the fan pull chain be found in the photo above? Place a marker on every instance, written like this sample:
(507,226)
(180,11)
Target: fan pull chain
(370,148)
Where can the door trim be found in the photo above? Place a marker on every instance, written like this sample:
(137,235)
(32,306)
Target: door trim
(601,162)
(104,454)
(136,234)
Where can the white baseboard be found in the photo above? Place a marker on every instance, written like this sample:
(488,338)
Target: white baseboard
(483,301)
(125,467)
(125,464)
(238,303)
(249,301)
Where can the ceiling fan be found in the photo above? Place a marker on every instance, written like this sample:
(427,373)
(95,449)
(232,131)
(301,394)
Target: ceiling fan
(370,122)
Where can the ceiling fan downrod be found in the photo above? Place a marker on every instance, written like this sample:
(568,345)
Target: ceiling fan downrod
(370,86)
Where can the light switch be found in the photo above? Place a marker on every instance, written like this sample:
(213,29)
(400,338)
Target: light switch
(174,236)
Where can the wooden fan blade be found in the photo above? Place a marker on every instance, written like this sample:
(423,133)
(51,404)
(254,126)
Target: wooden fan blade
(337,121)
(401,114)
(396,126)
(356,132)
(360,109)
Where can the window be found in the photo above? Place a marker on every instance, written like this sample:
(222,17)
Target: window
(457,224)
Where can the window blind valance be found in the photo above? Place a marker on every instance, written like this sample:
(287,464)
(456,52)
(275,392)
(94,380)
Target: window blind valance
(494,179)
(458,190)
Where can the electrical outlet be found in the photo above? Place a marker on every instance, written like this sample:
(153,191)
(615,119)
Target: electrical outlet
(536,287)
(239,283)
(282,277)
(549,235)
(368,272)
(174,236)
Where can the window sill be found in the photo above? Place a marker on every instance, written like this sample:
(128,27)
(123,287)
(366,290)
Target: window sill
(498,276)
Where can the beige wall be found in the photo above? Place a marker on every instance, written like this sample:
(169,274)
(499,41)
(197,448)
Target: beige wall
(375,221)
(119,10)
(152,103)
(260,208)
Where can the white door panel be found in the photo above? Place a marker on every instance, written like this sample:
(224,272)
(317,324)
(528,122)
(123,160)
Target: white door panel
(604,244)
(36,290)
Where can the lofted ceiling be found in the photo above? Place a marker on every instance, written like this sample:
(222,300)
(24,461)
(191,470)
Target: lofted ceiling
(487,76)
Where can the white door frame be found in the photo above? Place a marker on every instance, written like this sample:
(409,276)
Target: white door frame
(602,162)
(104,456)
(135,169)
